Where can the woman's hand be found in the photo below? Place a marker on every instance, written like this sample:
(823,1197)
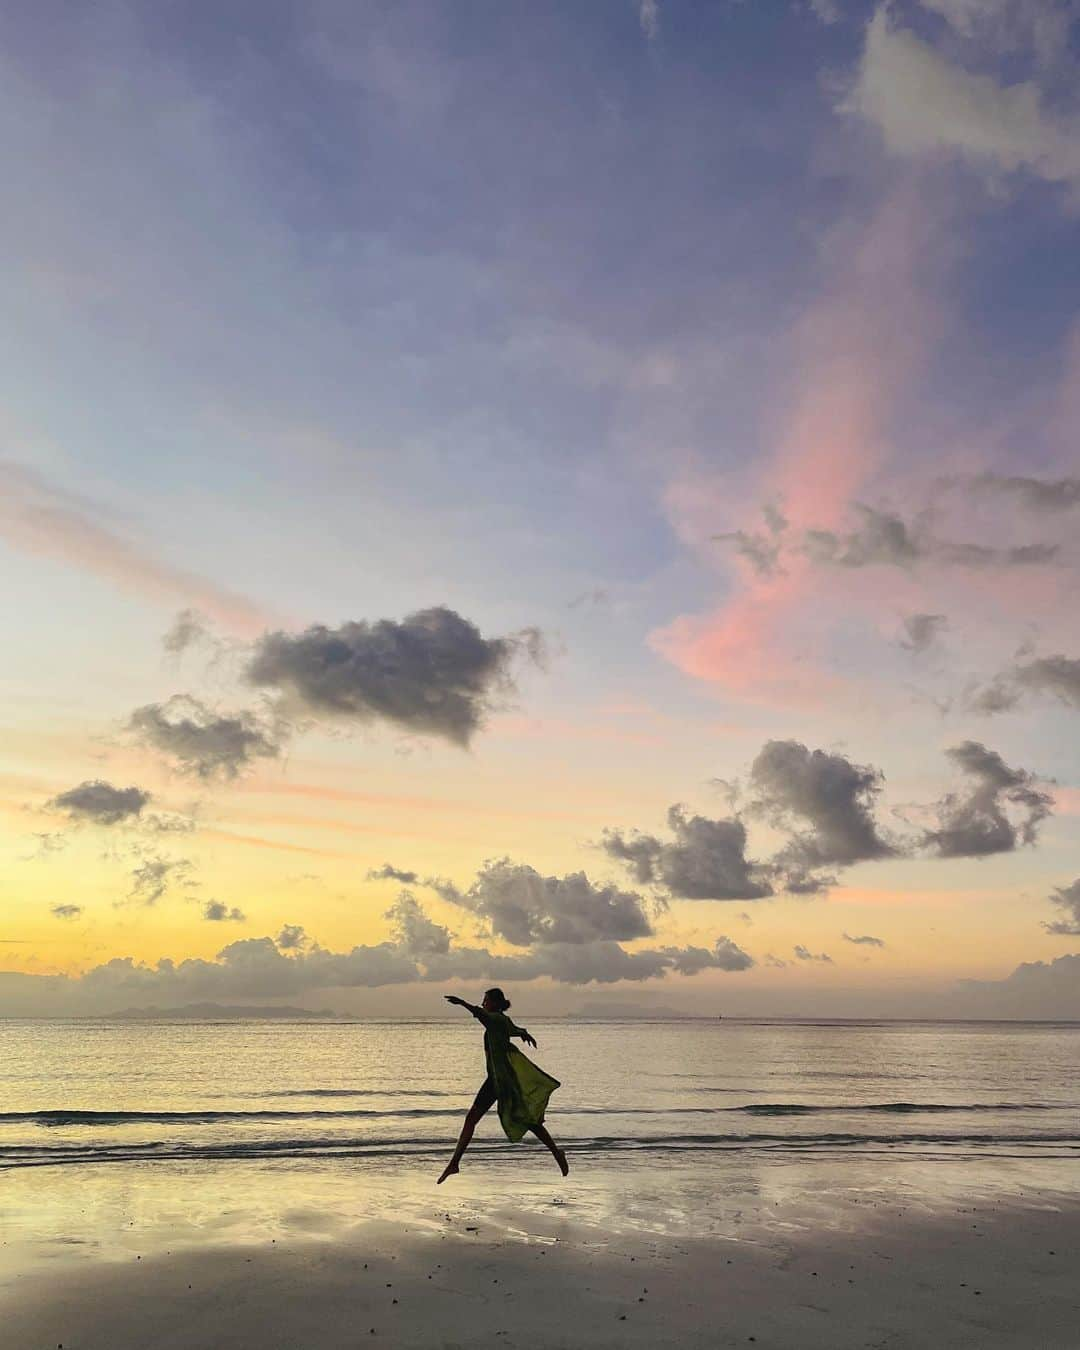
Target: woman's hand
(453,998)
(529,1040)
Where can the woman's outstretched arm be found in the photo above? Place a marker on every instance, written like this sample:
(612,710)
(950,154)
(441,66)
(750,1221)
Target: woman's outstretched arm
(476,1012)
(520,1031)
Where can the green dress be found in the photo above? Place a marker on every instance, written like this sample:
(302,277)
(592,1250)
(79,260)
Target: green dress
(522,1088)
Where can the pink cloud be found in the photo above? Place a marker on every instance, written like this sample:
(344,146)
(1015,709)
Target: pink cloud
(43,520)
(856,353)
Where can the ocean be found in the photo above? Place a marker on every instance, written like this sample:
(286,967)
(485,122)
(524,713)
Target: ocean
(272,1182)
(89,1093)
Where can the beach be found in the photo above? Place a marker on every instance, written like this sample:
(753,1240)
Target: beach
(218,1187)
(994,1275)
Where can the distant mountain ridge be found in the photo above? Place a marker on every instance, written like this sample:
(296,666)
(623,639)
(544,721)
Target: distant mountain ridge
(206,1012)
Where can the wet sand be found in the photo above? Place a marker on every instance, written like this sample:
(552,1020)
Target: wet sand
(998,1276)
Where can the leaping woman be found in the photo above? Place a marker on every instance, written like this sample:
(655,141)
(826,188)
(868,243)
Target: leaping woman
(519,1086)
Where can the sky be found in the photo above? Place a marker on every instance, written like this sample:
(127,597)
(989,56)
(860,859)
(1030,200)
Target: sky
(582,497)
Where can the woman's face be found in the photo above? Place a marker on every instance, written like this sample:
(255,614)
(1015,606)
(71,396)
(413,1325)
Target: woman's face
(488,1005)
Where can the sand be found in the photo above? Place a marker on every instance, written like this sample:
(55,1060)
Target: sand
(1003,1276)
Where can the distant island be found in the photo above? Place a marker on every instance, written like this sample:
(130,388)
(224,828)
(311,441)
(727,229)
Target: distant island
(218,1012)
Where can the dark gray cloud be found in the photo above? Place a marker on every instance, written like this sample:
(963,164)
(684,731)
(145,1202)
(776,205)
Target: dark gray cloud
(413,930)
(1000,811)
(804,954)
(201,741)
(705,859)
(524,907)
(66,911)
(216,911)
(885,539)
(432,674)
(292,938)
(725,954)
(760,548)
(1058,676)
(153,874)
(1067,899)
(999,695)
(921,631)
(1055,676)
(387,872)
(1046,495)
(865,941)
(795,788)
(599,962)
(99,803)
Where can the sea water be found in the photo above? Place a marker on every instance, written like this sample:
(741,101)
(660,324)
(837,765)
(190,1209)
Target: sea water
(241,1128)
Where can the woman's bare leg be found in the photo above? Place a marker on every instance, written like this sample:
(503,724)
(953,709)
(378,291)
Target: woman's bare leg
(556,1152)
(476,1113)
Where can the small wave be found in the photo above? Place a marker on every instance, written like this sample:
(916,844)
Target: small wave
(1064,1145)
(355,1092)
(886,1108)
(72,1117)
(75,1117)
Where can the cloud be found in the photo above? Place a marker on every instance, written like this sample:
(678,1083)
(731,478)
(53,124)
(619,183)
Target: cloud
(774,962)
(706,860)
(835,798)
(977,822)
(1003,26)
(43,520)
(99,803)
(1058,676)
(649,18)
(431,674)
(724,955)
(1043,495)
(865,941)
(292,938)
(598,962)
(921,631)
(590,599)
(413,930)
(760,548)
(804,954)
(154,874)
(524,907)
(49,843)
(201,741)
(1034,989)
(216,911)
(852,355)
(188,629)
(387,872)
(66,911)
(923,104)
(828,11)
(884,539)
(291,965)
(1067,899)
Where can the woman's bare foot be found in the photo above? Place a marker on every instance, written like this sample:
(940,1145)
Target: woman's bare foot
(560,1158)
(451,1170)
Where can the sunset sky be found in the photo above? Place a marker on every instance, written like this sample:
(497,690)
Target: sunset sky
(578,496)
